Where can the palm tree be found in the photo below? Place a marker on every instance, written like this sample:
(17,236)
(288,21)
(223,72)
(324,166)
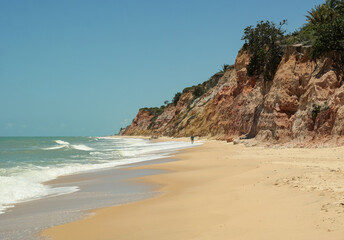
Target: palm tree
(318,14)
(333,4)
(340,7)
(325,12)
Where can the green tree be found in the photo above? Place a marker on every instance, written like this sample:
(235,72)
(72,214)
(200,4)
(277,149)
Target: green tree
(327,24)
(263,44)
(325,13)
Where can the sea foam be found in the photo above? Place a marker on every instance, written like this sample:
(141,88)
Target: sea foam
(64,144)
(25,182)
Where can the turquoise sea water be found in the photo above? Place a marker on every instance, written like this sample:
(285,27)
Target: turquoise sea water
(27,162)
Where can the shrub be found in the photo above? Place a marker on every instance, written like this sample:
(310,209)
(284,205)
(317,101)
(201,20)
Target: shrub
(188,89)
(156,111)
(263,44)
(304,35)
(176,98)
(198,91)
(224,68)
(315,111)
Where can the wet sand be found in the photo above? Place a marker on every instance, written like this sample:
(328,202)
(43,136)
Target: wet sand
(224,191)
(97,189)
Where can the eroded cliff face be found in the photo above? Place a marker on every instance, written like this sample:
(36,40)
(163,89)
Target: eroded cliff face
(304,104)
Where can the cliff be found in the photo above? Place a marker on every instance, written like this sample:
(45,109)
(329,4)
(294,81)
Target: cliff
(302,105)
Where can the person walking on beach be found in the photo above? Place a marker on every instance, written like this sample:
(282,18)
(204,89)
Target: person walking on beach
(192,139)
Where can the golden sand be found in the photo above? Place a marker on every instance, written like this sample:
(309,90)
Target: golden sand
(224,191)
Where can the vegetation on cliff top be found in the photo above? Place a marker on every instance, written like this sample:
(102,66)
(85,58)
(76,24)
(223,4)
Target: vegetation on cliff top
(176,98)
(324,30)
(326,21)
(197,91)
(263,43)
(202,88)
(155,111)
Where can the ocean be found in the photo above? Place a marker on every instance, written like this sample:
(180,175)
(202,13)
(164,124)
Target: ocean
(26,163)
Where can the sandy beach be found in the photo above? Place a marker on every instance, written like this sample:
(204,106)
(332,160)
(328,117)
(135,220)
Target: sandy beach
(223,191)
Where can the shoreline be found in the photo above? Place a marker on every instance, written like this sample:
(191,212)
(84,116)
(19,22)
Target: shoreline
(218,191)
(98,188)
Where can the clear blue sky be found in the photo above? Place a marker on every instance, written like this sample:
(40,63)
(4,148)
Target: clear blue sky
(81,67)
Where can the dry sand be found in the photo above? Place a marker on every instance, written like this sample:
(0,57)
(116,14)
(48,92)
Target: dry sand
(224,191)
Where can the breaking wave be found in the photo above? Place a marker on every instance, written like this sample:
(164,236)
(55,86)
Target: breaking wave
(64,144)
(24,181)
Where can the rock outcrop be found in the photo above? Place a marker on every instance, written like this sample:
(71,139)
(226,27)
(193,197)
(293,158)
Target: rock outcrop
(302,105)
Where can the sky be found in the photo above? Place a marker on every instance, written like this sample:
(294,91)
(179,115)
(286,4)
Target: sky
(85,67)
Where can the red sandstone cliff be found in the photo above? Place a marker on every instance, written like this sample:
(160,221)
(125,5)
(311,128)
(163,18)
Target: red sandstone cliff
(303,104)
